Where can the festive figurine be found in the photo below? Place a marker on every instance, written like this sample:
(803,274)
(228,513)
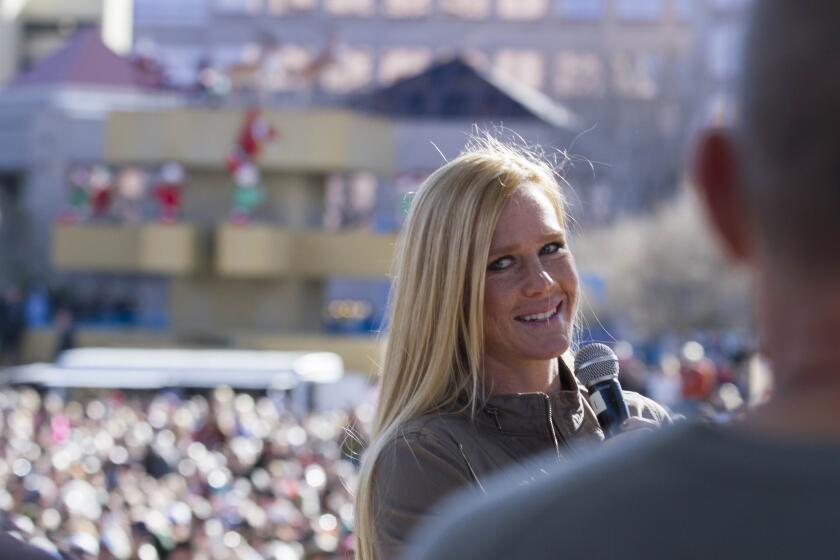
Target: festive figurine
(241,164)
(78,196)
(131,188)
(248,193)
(101,188)
(168,192)
(255,131)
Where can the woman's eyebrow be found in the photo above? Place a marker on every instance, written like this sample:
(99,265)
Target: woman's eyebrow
(551,236)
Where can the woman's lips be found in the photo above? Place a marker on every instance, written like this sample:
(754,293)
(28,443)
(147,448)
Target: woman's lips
(541,317)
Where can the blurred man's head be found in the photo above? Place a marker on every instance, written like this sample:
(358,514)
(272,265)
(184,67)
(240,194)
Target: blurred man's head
(774,188)
(790,102)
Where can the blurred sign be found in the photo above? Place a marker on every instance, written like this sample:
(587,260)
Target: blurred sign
(156,368)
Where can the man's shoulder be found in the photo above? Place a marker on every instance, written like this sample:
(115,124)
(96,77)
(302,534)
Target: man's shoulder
(655,496)
(574,500)
(632,466)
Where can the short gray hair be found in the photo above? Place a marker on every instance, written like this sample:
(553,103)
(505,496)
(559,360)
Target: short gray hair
(790,125)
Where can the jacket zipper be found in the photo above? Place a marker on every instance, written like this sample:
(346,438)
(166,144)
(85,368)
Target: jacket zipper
(494,412)
(551,428)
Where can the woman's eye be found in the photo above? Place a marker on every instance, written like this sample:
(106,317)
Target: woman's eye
(500,263)
(552,248)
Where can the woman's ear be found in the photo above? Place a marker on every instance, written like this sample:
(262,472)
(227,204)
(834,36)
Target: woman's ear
(717,179)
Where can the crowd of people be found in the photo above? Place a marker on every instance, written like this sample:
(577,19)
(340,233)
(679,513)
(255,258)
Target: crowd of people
(710,376)
(218,475)
(224,474)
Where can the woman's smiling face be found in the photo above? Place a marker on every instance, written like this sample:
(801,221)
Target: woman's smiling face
(531,289)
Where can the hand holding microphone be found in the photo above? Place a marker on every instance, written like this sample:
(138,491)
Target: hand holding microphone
(596,366)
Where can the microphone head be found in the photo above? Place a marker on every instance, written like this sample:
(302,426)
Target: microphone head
(594,363)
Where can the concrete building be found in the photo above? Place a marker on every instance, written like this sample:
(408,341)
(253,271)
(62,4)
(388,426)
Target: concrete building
(288,279)
(260,285)
(626,67)
(368,97)
(51,116)
(32,29)
(721,25)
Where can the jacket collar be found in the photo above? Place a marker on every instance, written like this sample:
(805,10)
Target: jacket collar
(530,413)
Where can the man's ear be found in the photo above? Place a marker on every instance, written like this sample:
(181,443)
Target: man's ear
(718,182)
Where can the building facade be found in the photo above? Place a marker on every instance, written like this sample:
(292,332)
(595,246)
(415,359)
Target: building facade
(32,29)
(367,97)
(627,67)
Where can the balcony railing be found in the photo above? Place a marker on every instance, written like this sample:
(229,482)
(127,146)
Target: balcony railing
(319,141)
(265,252)
(152,248)
(248,252)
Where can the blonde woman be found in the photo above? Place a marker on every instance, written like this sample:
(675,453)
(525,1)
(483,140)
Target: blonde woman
(475,376)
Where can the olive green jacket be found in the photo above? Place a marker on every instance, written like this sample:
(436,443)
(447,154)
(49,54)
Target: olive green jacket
(437,454)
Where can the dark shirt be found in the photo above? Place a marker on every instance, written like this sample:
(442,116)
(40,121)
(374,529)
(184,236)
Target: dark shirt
(689,492)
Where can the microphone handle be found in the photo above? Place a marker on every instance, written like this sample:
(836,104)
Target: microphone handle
(607,401)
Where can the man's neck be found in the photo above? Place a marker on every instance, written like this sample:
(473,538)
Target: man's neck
(805,415)
(799,326)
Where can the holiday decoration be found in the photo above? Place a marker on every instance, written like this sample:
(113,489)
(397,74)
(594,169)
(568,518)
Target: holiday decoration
(131,190)
(100,187)
(248,193)
(255,132)
(167,192)
(241,164)
(78,195)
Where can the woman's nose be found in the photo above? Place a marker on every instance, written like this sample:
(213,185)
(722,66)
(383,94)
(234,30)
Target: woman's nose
(537,280)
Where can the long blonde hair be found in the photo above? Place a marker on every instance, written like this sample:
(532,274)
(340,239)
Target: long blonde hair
(435,345)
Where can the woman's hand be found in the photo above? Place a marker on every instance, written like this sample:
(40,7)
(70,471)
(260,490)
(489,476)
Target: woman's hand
(632,427)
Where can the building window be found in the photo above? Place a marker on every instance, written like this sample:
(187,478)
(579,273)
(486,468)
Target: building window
(289,68)
(636,75)
(180,63)
(720,109)
(403,62)
(282,7)
(239,6)
(639,10)
(351,70)
(476,58)
(407,8)
(467,9)
(582,10)
(724,51)
(522,10)
(525,66)
(166,12)
(684,10)
(579,74)
(729,5)
(350,7)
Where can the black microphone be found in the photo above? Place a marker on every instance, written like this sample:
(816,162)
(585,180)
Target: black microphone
(596,366)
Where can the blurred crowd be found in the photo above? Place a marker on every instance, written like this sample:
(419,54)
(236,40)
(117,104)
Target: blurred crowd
(231,475)
(219,475)
(713,377)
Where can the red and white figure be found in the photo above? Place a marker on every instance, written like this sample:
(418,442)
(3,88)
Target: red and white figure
(248,193)
(168,192)
(100,186)
(78,195)
(131,190)
(255,131)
